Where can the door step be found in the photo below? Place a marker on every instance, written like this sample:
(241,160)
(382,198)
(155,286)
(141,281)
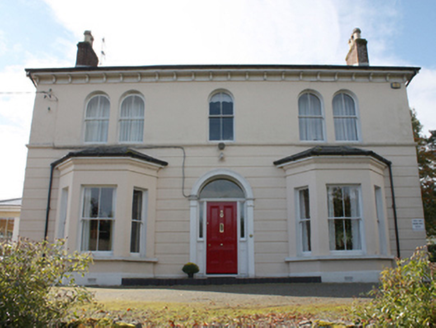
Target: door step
(215,281)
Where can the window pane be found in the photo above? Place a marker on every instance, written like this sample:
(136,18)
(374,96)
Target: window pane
(242,219)
(222,189)
(137,210)
(214,108)
(304,204)
(135,237)
(106,206)
(90,235)
(214,128)
(346,129)
(105,235)
(137,205)
(227,108)
(201,221)
(305,232)
(227,126)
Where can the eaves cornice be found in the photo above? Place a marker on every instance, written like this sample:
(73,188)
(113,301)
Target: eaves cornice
(204,73)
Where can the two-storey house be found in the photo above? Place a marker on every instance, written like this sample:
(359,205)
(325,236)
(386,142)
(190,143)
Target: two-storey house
(246,170)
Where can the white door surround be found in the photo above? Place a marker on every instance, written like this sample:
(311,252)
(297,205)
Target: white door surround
(198,245)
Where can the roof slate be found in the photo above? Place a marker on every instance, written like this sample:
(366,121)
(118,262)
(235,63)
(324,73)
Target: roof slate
(105,151)
(331,151)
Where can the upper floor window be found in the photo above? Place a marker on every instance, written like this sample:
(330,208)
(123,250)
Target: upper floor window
(345,117)
(310,117)
(221,117)
(132,119)
(97,119)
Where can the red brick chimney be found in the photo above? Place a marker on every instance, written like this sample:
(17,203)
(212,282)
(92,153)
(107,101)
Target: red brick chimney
(85,54)
(358,53)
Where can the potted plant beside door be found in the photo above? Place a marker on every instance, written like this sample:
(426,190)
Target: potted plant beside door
(190,269)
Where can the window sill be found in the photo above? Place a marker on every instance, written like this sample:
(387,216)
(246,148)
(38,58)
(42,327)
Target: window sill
(126,259)
(339,258)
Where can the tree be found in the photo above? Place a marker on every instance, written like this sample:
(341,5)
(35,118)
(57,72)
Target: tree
(426,153)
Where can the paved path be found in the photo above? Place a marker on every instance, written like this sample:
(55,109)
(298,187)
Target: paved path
(239,295)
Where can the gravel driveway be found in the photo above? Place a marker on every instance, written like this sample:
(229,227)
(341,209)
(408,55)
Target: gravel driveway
(239,295)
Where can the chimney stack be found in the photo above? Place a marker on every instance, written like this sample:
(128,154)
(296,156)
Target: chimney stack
(85,54)
(358,53)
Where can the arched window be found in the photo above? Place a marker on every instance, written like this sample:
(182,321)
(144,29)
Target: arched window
(97,119)
(221,117)
(345,117)
(132,119)
(310,117)
(222,188)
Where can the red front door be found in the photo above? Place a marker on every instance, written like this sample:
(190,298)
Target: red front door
(222,242)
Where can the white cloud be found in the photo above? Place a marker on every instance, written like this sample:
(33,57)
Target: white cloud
(197,31)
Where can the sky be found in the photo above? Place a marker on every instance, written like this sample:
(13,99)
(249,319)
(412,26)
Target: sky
(45,33)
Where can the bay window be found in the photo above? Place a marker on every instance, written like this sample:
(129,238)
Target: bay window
(98,218)
(344,218)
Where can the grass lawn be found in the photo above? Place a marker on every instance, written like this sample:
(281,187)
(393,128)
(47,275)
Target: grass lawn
(158,314)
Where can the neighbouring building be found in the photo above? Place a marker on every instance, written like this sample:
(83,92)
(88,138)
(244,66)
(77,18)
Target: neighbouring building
(246,170)
(9,219)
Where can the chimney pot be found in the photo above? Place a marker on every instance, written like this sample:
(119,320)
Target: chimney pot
(88,37)
(358,53)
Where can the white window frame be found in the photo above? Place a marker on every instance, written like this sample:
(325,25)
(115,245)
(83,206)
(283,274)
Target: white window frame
(358,218)
(131,119)
(355,117)
(142,223)
(221,116)
(99,119)
(88,219)
(304,116)
(302,221)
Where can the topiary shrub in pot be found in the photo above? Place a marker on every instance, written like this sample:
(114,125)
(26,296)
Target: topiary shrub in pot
(190,269)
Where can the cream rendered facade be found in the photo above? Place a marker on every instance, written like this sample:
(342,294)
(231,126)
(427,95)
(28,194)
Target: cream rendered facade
(180,160)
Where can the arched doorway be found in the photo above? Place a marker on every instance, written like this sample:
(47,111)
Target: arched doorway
(222,225)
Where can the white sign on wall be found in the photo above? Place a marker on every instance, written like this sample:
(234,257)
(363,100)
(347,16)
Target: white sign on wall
(418,225)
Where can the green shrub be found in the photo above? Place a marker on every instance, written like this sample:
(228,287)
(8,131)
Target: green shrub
(29,272)
(405,297)
(190,268)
